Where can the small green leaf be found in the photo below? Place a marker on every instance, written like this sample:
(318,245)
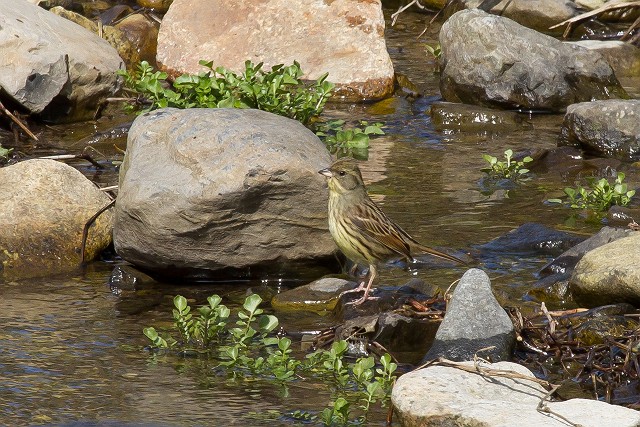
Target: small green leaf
(180,303)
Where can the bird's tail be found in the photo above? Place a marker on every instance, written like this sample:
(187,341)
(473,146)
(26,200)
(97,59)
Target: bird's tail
(418,248)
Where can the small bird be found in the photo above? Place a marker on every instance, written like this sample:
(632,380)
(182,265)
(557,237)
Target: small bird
(359,227)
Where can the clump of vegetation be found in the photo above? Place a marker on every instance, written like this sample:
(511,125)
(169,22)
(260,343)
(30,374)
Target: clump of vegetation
(510,169)
(599,196)
(248,348)
(279,91)
(4,152)
(343,140)
(435,50)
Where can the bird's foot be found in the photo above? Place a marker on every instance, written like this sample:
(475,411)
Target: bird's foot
(360,288)
(361,300)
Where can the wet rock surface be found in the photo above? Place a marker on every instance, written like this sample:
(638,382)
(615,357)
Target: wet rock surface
(319,296)
(605,128)
(53,67)
(322,36)
(205,190)
(532,237)
(45,207)
(495,62)
(463,117)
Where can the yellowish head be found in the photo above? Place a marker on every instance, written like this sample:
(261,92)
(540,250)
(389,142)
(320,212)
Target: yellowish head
(344,176)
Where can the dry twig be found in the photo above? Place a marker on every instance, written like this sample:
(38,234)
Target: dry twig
(18,122)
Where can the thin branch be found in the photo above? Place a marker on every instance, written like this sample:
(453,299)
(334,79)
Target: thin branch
(85,230)
(607,7)
(18,122)
(394,17)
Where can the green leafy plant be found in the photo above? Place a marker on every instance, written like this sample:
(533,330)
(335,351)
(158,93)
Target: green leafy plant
(342,139)
(4,152)
(599,196)
(248,348)
(435,50)
(508,169)
(280,90)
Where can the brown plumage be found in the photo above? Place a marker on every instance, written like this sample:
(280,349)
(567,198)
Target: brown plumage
(359,227)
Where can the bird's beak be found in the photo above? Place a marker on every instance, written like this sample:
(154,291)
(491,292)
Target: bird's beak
(326,172)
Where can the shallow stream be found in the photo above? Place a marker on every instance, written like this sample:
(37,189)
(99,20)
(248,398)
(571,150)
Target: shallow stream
(72,350)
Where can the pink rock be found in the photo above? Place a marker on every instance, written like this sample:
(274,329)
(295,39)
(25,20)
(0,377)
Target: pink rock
(342,37)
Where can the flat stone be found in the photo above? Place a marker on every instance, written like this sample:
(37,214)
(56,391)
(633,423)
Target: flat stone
(447,396)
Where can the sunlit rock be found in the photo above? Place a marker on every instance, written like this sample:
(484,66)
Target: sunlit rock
(344,38)
(206,190)
(142,32)
(606,128)
(114,36)
(51,66)
(443,395)
(609,274)
(475,323)
(623,57)
(45,206)
(538,15)
(493,61)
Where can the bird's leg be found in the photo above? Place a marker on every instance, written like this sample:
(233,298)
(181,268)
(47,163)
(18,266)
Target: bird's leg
(372,275)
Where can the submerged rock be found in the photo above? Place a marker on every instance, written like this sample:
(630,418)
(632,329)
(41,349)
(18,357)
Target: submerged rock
(609,274)
(463,117)
(446,395)
(207,190)
(474,321)
(493,61)
(320,296)
(533,237)
(342,37)
(606,128)
(53,67)
(45,206)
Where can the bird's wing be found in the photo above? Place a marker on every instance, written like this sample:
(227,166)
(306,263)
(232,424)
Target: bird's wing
(372,222)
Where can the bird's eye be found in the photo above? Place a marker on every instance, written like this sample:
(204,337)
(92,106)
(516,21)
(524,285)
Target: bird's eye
(342,173)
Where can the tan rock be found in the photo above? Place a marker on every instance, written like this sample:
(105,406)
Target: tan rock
(609,274)
(45,206)
(342,37)
(141,32)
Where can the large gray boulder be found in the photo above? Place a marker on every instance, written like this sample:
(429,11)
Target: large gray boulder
(45,206)
(493,61)
(51,66)
(607,128)
(609,274)
(342,37)
(474,321)
(448,396)
(204,190)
